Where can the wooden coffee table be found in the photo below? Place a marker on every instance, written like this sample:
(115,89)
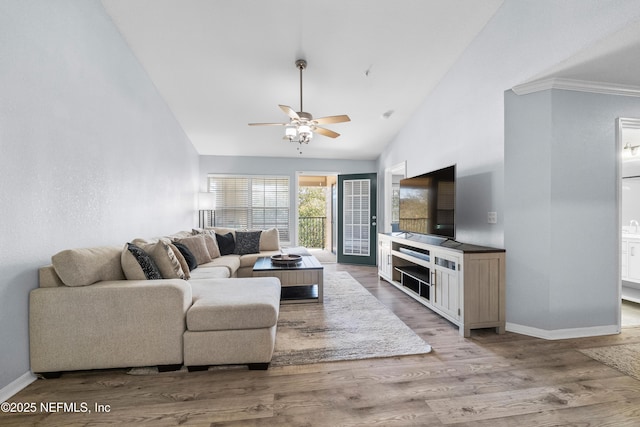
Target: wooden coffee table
(307,274)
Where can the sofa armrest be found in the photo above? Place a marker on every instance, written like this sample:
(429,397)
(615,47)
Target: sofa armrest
(109,324)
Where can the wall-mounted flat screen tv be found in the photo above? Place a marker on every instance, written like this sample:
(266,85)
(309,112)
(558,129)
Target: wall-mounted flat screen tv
(427,203)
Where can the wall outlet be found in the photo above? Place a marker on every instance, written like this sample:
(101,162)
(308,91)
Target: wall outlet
(492,218)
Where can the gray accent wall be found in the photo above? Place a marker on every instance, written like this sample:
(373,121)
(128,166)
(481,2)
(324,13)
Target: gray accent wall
(561,210)
(89,152)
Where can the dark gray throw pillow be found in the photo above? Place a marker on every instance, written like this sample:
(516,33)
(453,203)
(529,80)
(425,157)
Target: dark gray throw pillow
(225,243)
(247,242)
(149,267)
(189,257)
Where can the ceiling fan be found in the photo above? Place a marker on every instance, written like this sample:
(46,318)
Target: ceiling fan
(302,125)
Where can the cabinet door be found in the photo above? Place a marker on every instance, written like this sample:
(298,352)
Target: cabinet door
(634,261)
(483,298)
(446,292)
(624,260)
(384,257)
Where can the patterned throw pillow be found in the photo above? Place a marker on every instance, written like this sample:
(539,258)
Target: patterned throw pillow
(247,242)
(149,267)
(225,243)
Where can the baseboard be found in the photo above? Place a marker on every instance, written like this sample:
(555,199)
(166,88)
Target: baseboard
(560,334)
(15,386)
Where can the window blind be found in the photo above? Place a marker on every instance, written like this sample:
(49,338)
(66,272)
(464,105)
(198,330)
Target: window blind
(252,202)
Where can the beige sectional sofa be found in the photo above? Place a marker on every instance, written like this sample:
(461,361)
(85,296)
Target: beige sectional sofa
(108,307)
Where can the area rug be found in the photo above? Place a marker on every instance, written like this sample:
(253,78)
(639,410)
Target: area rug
(623,357)
(351,324)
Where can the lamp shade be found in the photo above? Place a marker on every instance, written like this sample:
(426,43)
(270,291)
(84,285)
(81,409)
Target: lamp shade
(206,201)
(290,131)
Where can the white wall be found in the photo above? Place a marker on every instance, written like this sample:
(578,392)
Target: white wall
(462,120)
(89,152)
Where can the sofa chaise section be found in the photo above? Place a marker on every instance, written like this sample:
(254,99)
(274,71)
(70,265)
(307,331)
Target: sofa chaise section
(232,322)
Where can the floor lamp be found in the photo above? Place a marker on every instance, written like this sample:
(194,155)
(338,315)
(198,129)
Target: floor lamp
(207,203)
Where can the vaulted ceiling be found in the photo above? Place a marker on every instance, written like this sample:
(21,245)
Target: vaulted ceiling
(220,64)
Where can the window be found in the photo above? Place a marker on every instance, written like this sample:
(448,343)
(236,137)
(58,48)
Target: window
(251,202)
(395,203)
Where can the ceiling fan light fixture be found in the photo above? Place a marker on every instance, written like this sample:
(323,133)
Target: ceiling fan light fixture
(304,133)
(290,132)
(301,124)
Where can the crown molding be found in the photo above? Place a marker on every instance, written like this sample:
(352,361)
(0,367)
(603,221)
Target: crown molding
(576,85)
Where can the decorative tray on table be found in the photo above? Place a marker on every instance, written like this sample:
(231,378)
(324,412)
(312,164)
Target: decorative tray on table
(285,259)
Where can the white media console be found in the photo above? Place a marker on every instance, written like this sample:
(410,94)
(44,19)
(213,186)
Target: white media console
(463,283)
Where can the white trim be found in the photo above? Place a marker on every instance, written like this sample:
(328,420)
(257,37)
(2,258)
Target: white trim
(296,189)
(560,334)
(16,386)
(397,169)
(576,85)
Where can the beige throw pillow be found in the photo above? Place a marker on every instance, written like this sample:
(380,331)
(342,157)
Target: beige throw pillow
(210,240)
(198,246)
(181,260)
(86,266)
(270,240)
(166,261)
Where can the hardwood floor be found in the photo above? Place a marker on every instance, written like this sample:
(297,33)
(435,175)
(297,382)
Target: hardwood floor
(486,380)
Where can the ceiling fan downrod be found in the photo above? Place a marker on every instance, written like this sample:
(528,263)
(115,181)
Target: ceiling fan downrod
(301,64)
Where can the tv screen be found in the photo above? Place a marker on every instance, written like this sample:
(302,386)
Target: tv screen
(427,203)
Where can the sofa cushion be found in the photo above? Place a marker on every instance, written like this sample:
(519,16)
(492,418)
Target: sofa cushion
(190,259)
(249,260)
(247,242)
(230,262)
(225,304)
(138,264)
(83,267)
(210,272)
(198,247)
(226,243)
(270,240)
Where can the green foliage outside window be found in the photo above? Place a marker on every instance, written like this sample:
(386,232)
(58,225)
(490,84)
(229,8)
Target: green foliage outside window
(312,211)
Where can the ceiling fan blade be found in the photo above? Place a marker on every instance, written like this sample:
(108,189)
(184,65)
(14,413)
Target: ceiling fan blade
(332,119)
(326,132)
(268,124)
(289,112)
